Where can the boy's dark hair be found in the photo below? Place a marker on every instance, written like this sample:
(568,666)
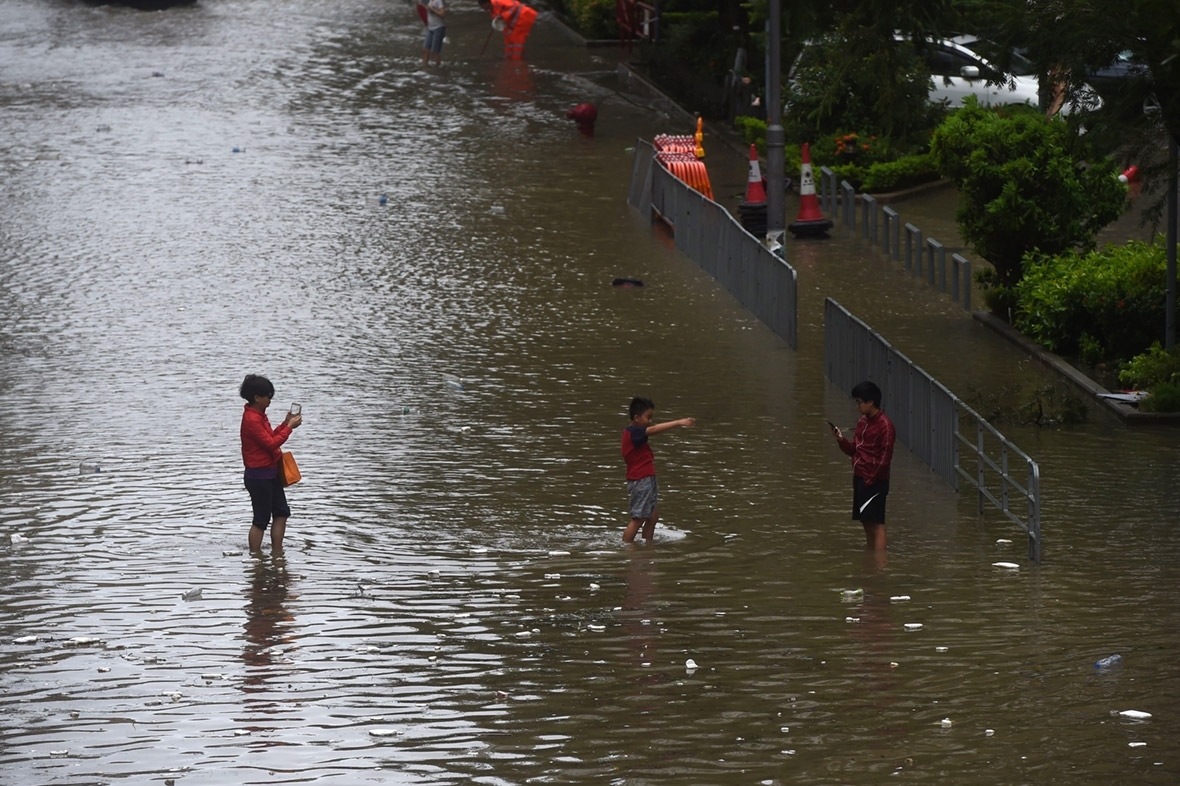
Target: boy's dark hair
(256,385)
(868,391)
(639,405)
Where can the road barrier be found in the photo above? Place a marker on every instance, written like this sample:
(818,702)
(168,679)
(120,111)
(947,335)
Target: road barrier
(761,281)
(937,427)
(840,200)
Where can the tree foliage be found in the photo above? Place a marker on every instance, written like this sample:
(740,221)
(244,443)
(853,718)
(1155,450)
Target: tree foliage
(1026,182)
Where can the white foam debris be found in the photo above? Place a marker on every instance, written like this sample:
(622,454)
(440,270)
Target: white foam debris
(852,619)
(552,576)
(103,669)
(231,553)
(912,626)
(989,732)
(594,587)
(559,554)
(594,627)
(945,723)
(899,598)
(81,641)
(26,640)
(852,594)
(1003,542)
(523,634)
(1006,565)
(1136,744)
(941,649)
(690,664)
(192,594)
(1135,714)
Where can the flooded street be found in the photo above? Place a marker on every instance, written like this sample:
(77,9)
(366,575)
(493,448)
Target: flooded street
(193,195)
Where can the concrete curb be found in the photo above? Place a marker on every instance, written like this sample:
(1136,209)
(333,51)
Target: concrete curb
(1125,412)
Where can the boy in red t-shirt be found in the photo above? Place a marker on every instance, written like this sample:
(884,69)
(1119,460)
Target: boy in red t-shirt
(641,467)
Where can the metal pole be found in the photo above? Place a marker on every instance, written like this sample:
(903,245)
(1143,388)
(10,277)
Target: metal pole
(775,220)
(1173,209)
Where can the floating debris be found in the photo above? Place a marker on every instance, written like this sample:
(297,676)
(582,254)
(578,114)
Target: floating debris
(559,554)
(912,626)
(17,538)
(59,754)
(940,649)
(594,587)
(523,634)
(231,553)
(1006,565)
(103,669)
(945,723)
(852,619)
(1136,744)
(595,627)
(552,576)
(1135,714)
(81,641)
(690,665)
(899,598)
(989,732)
(383,732)
(192,594)
(852,594)
(26,640)
(1003,542)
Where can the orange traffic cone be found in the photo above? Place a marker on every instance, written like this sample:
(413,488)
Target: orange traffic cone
(811,221)
(755,191)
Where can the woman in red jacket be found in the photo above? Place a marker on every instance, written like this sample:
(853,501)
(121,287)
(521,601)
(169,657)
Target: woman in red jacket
(261,453)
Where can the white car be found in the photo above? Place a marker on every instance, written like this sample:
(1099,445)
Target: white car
(960,67)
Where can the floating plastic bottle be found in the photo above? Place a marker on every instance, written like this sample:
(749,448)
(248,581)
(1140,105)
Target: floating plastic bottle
(88,467)
(1108,661)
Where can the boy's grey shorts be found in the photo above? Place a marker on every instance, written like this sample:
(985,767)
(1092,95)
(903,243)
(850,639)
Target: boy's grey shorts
(645,496)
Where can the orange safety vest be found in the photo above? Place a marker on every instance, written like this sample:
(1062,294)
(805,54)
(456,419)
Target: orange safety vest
(518,21)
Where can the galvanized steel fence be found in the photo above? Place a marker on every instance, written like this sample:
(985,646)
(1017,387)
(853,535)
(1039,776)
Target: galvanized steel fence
(927,261)
(704,231)
(938,428)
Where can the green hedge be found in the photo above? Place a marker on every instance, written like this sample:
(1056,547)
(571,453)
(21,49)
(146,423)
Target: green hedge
(1107,305)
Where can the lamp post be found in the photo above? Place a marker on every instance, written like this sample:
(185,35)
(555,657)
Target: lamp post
(1173,209)
(775,220)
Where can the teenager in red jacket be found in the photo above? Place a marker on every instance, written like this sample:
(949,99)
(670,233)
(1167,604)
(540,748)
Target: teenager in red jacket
(261,453)
(872,453)
(517,19)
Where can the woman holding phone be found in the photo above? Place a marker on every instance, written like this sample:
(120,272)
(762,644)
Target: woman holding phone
(261,453)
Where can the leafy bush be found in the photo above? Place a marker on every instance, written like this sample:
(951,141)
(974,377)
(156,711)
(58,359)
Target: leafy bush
(849,79)
(1165,397)
(1150,368)
(1108,302)
(1027,183)
(753,130)
(905,172)
(594,18)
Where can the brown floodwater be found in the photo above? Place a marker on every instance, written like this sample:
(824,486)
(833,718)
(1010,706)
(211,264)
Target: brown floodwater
(454,604)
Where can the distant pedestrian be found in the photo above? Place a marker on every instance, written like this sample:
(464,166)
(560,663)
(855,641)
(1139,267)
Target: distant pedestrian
(436,31)
(641,467)
(872,453)
(515,20)
(261,453)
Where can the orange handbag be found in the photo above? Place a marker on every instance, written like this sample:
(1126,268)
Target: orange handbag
(289,470)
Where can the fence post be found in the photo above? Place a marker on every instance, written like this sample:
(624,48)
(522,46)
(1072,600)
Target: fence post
(848,203)
(870,216)
(979,479)
(966,284)
(937,252)
(827,182)
(888,219)
(912,234)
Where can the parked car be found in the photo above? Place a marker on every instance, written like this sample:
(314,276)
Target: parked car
(1125,83)
(962,65)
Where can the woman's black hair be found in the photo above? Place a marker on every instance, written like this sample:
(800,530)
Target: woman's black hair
(868,391)
(256,385)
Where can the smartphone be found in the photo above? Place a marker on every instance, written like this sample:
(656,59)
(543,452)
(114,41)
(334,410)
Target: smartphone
(296,409)
(831,425)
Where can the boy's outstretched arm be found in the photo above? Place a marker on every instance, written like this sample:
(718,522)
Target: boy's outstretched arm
(658,427)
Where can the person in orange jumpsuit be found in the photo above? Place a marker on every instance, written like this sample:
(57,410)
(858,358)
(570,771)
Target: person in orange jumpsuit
(517,19)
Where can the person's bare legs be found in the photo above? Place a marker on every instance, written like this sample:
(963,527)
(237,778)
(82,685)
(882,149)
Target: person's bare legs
(649,525)
(255,539)
(874,535)
(278,528)
(632,529)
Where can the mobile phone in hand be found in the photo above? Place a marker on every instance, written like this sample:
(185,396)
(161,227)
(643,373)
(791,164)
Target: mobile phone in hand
(296,409)
(831,425)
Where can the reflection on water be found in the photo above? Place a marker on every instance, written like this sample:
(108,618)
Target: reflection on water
(454,603)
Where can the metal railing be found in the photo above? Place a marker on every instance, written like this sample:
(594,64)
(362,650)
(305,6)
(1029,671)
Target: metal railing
(839,200)
(761,281)
(938,428)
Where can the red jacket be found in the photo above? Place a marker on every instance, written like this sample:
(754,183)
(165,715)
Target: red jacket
(872,450)
(261,445)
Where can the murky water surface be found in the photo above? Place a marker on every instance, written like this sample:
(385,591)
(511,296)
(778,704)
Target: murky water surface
(454,604)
